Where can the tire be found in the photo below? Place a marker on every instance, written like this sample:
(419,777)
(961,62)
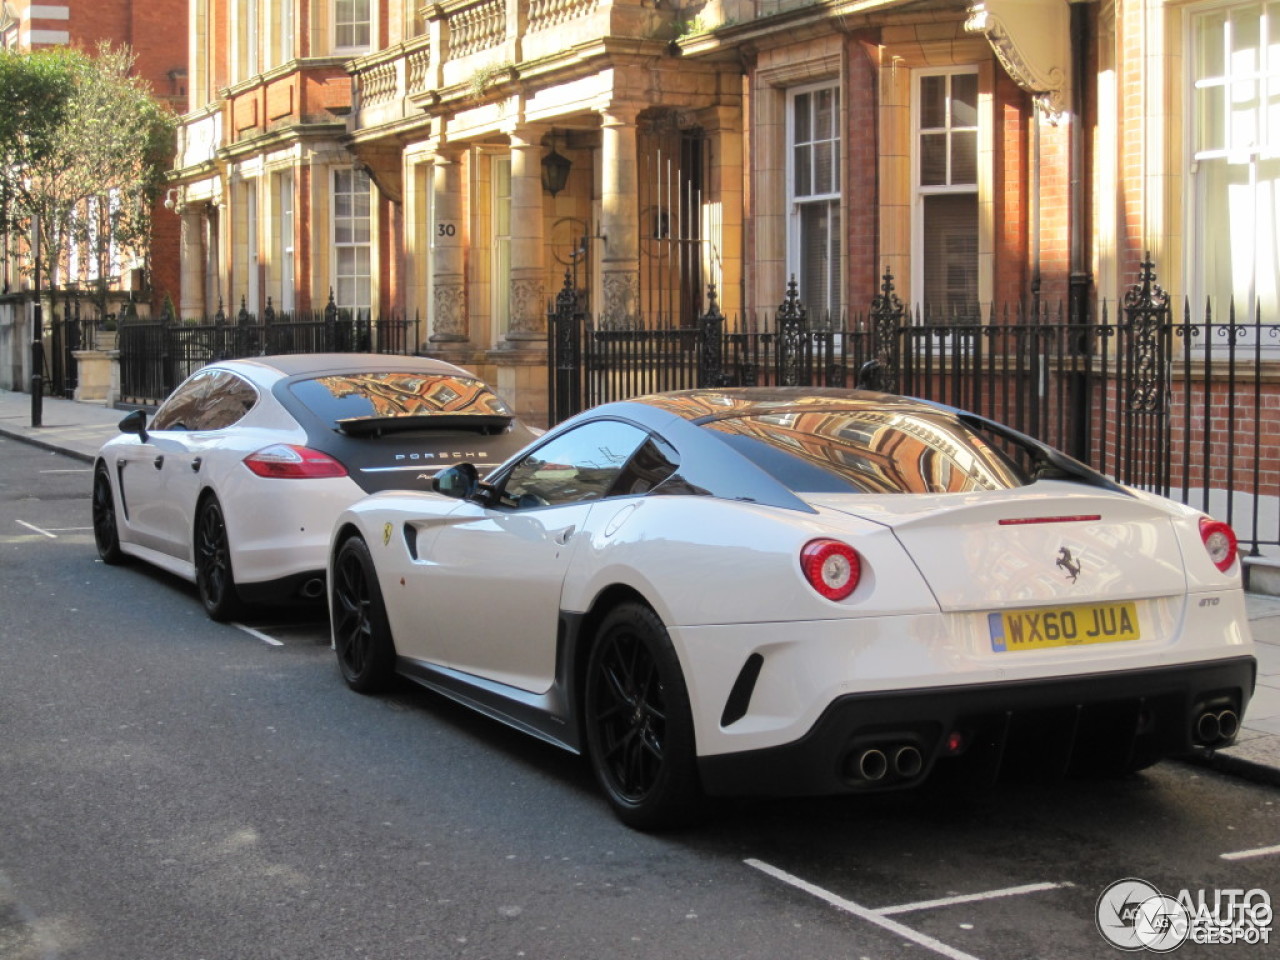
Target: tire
(361,631)
(215,580)
(639,728)
(105,532)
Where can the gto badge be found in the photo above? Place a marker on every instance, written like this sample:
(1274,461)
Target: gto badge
(1069,564)
(386,534)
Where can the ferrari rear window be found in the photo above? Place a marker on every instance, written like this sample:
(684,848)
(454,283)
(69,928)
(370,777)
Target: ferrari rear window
(869,451)
(356,396)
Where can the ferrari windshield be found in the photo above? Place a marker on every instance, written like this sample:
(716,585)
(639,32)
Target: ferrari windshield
(869,450)
(390,396)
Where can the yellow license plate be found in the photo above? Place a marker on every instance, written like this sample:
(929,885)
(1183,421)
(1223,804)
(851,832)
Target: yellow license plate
(1063,626)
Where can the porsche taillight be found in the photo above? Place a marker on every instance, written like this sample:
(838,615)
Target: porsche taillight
(831,567)
(285,461)
(1220,541)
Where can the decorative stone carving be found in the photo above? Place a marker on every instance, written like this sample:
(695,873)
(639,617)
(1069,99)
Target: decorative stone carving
(450,311)
(1032,40)
(528,308)
(621,300)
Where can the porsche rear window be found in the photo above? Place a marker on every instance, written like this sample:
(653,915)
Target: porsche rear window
(366,395)
(869,451)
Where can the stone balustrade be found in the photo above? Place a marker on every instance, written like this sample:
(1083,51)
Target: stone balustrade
(544,14)
(476,27)
(379,84)
(469,44)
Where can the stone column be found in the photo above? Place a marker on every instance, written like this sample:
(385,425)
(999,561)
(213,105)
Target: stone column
(192,259)
(449,298)
(620,219)
(527,288)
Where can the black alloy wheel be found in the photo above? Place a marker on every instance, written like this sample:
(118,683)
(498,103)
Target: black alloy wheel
(105,532)
(639,726)
(214,579)
(361,631)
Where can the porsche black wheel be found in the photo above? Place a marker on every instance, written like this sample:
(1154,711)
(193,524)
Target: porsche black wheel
(361,633)
(214,579)
(105,532)
(639,727)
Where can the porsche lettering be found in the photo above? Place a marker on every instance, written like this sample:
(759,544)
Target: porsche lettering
(442,455)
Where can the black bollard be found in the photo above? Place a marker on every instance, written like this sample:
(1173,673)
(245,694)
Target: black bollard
(37,380)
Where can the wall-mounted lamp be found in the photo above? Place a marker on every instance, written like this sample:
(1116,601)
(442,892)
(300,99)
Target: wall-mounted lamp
(170,198)
(555,171)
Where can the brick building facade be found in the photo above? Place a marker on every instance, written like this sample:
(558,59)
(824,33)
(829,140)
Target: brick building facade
(987,153)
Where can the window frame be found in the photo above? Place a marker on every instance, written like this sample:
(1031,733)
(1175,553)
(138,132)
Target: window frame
(336,246)
(832,200)
(920,191)
(370,21)
(500,257)
(1266,147)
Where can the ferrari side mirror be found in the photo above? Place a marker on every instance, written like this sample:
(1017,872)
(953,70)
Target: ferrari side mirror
(460,482)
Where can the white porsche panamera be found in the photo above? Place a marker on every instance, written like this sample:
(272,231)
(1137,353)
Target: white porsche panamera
(236,481)
(770,591)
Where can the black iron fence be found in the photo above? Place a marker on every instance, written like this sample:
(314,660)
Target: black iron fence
(156,355)
(1183,405)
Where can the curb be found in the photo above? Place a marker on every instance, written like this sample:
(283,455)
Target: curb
(47,445)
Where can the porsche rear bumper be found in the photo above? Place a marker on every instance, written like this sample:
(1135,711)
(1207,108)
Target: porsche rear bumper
(1050,727)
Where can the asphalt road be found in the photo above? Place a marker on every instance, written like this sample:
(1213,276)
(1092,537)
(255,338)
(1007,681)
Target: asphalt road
(174,788)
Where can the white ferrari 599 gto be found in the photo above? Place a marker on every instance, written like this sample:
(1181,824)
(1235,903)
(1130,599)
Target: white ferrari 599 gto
(764,591)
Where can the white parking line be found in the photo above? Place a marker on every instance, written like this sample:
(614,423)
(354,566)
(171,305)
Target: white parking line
(970,898)
(260,635)
(862,913)
(1249,854)
(32,526)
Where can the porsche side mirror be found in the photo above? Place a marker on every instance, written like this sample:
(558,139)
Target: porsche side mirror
(135,422)
(460,482)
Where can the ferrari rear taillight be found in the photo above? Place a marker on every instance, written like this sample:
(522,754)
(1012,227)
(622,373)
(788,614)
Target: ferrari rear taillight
(1220,540)
(831,567)
(285,461)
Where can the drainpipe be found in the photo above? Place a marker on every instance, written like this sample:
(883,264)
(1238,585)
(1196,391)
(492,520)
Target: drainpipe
(1080,280)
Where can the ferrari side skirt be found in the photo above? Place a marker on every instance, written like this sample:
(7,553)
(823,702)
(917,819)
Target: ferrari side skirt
(547,716)
(1042,729)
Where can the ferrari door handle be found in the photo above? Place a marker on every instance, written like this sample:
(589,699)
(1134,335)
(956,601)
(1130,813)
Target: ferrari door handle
(562,536)
(195,465)
(158,462)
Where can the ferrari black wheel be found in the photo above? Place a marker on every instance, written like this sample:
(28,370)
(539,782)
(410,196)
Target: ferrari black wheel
(105,532)
(361,633)
(639,727)
(214,578)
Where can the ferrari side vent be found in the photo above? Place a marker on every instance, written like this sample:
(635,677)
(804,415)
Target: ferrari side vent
(735,708)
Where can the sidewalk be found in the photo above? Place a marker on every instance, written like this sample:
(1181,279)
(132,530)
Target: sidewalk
(79,429)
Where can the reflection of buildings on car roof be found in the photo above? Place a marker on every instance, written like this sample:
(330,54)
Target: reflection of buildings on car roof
(411,394)
(880,450)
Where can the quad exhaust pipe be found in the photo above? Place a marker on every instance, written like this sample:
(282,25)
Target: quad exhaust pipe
(872,765)
(907,762)
(1216,727)
(891,761)
(313,589)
